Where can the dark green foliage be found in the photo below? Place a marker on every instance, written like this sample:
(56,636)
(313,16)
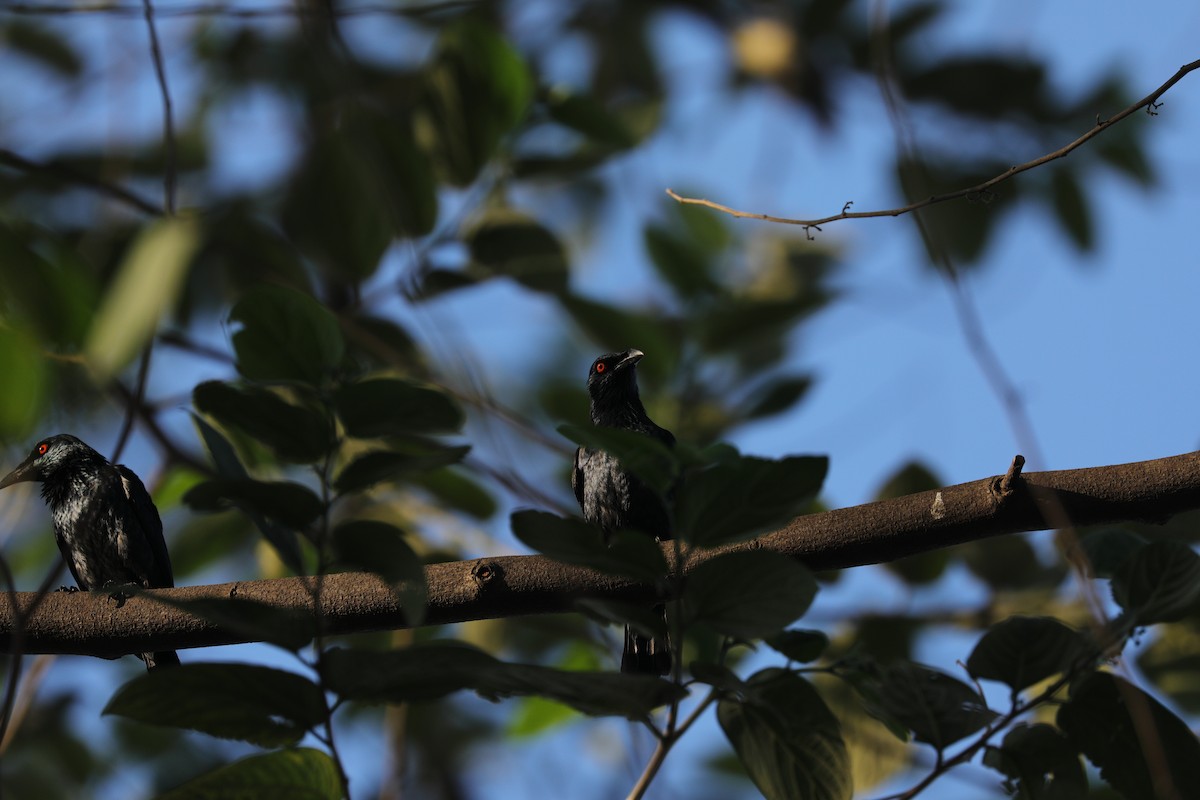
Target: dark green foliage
(1141,749)
(294,432)
(786,737)
(1022,651)
(573,541)
(392,407)
(747,595)
(1040,763)
(301,773)
(285,336)
(1159,583)
(938,709)
(265,706)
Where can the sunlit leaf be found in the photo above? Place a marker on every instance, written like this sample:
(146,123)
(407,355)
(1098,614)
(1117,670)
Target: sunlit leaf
(291,774)
(146,285)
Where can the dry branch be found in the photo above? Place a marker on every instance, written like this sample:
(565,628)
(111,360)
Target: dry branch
(508,586)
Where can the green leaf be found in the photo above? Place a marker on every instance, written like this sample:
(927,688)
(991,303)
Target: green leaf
(295,433)
(742,496)
(573,541)
(477,90)
(799,645)
(1041,761)
(1023,651)
(587,115)
(1108,548)
(260,705)
(645,621)
(26,384)
(1141,749)
(650,460)
(938,709)
(387,465)
(293,774)
(457,491)
(42,44)
(373,546)
(290,503)
(286,335)
(786,737)
(146,286)
(288,628)
(778,396)
(430,671)
(680,262)
(223,455)
(392,406)
(1172,662)
(748,595)
(1071,207)
(512,244)
(1159,583)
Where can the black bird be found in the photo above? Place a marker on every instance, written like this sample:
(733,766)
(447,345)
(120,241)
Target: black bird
(613,498)
(105,523)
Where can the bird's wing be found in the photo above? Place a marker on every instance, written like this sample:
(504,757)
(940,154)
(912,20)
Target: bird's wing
(577,479)
(145,520)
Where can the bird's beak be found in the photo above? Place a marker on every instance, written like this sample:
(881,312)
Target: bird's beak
(25,472)
(631,357)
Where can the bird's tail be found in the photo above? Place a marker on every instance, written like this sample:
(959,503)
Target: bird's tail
(166,658)
(645,655)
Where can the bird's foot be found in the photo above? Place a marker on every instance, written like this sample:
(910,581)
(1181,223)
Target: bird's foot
(67,589)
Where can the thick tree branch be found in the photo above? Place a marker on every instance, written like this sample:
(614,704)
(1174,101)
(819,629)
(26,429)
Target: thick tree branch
(1149,103)
(507,586)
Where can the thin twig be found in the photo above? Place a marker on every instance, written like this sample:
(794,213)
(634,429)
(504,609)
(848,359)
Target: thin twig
(72,176)
(1149,102)
(135,401)
(219,10)
(169,145)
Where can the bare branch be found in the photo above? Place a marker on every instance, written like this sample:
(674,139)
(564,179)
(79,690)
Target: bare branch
(1149,102)
(508,586)
(71,176)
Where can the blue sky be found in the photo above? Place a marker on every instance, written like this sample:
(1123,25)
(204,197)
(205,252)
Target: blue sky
(1098,344)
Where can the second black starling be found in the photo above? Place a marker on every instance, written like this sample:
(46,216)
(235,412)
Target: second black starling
(105,524)
(613,498)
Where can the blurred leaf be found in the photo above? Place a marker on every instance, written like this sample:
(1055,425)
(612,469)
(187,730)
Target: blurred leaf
(1115,724)
(509,243)
(1009,562)
(989,86)
(382,466)
(289,628)
(295,773)
(223,455)
(427,672)
(1159,583)
(913,478)
(680,263)
(26,384)
(1071,208)
(803,646)
(743,496)
(1108,548)
(295,433)
(392,406)
(1041,761)
(1023,651)
(264,706)
(748,595)
(290,503)
(457,491)
(378,547)
(938,709)
(778,396)
(42,44)
(477,90)
(146,285)
(45,286)
(642,619)
(1126,154)
(959,229)
(585,114)
(1172,662)
(785,735)
(644,456)
(573,541)
(652,332)
(286,335)
(537,715)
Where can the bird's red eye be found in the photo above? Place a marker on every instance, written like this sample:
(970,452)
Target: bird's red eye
(42,448)
(600,367)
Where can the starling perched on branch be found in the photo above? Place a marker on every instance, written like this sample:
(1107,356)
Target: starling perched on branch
(105,523)
(613,498)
